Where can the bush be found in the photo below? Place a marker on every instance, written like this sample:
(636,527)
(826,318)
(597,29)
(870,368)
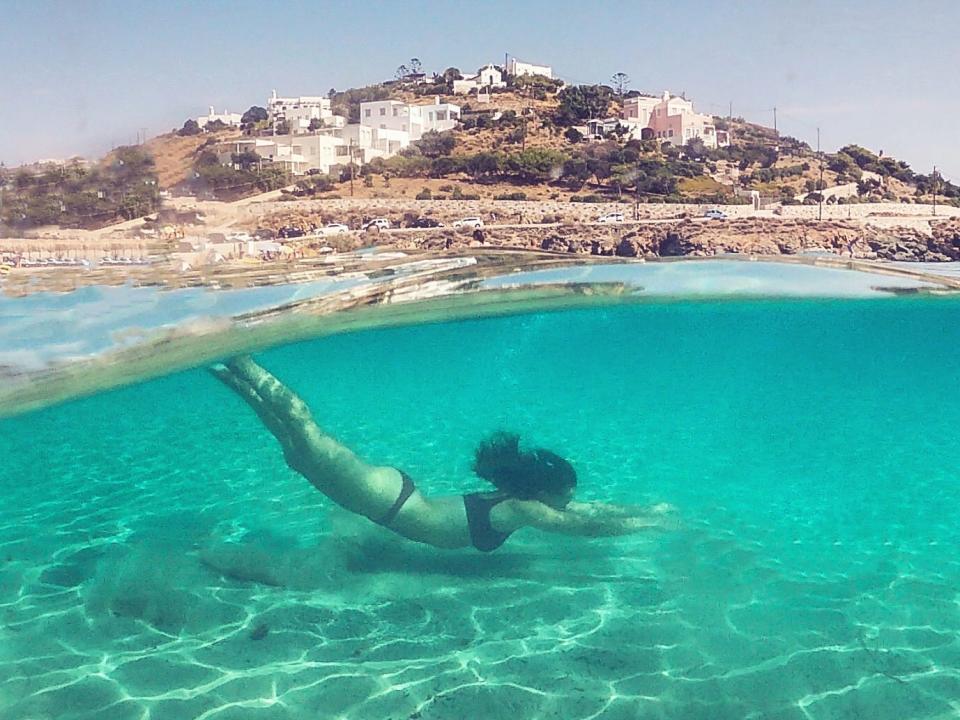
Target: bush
(511,196)
(425,194)
(190,127)
(588,198)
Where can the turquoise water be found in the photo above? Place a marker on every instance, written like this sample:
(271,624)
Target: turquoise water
(158,559)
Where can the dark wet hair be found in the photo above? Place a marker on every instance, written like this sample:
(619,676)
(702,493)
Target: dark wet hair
(524,474)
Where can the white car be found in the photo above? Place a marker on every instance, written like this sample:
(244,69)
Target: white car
(611,218)
(335,229)
(714,214)
(379,223)
(470,222)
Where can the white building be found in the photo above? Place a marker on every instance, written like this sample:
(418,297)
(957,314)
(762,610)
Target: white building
(671,119)
(638,110)
(489,76)
(299,112)
(370,142)
(412,119)
(517,67)
(227,118)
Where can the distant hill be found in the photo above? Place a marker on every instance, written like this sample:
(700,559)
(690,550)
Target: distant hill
(521,143)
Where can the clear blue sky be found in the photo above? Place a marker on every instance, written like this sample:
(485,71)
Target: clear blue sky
(77,77)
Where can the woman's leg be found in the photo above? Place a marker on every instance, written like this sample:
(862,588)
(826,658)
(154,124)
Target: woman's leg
(330,467)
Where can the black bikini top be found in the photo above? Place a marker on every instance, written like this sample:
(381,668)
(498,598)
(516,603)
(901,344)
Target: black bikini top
(482,534)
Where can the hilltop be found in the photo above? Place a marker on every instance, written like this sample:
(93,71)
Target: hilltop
(534,139)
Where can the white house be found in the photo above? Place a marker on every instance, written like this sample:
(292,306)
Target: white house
(671,119)
(370,142)
(227,118)
(408,118)
(489,76)
(517,68)
(639,109)
(299,112)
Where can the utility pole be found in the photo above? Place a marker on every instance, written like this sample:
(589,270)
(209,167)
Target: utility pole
(934,178)
(730,116)
(351,167)
(820,184)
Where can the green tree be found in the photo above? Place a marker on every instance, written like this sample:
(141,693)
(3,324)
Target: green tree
(844,165)
(695,149)
(484,165)
(620,82)
(865,159)
(449,75)
(573,135)
(254,115)
(433,144)
(316,124)
(190,127)
(582,102)
(537,164)
(576,172)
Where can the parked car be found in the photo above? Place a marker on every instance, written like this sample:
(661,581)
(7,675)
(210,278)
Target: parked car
(614,217)
(474,223)
(425,222)
(334,229)
(378,223)
(714,214)
(290,231)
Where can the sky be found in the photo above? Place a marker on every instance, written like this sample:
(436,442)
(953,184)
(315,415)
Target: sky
(82,76)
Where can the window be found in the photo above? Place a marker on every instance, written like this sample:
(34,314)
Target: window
(431,116)
(670,133)
(383,111)
(394,112)
(404,127)
(382,126)
(366,113)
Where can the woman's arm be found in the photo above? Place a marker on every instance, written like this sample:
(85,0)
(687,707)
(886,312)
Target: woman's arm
(575,521)
(611,510)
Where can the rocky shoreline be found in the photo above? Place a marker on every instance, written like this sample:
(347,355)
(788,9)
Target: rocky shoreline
(689,238)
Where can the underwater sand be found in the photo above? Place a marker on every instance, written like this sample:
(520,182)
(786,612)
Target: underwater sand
(158,560)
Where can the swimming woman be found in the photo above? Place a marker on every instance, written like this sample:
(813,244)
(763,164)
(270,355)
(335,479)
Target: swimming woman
(533,487)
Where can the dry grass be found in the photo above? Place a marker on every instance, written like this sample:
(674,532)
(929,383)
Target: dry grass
(174,155)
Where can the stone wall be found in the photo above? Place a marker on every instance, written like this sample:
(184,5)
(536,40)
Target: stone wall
(354,211)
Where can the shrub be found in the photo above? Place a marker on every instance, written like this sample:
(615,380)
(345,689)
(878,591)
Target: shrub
(190,127)
(588,198)
(511,196)
(425,194)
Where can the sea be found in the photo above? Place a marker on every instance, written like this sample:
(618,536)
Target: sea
(159,560)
